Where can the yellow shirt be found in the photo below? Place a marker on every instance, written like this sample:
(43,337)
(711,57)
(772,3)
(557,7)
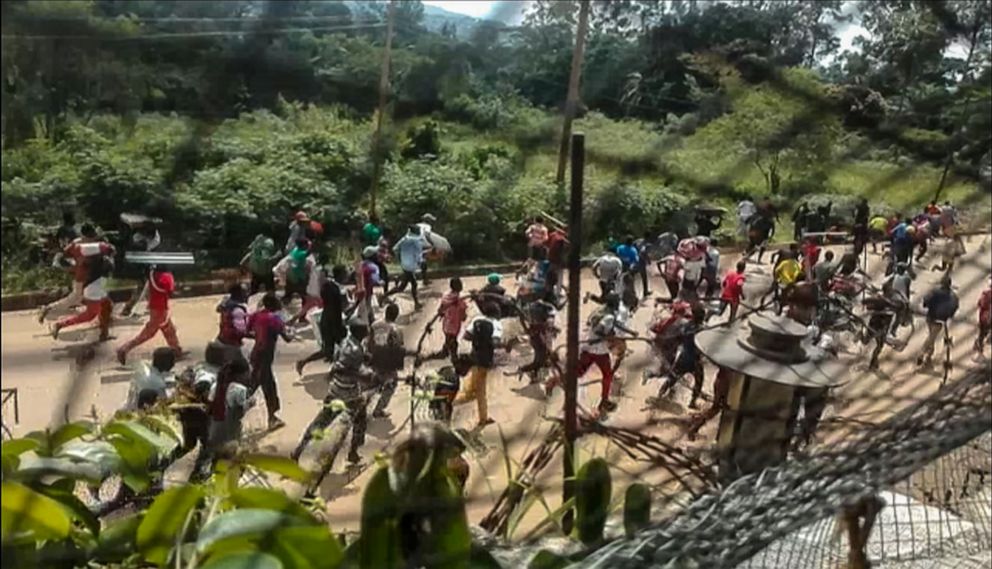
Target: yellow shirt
(879,223)
(787,272)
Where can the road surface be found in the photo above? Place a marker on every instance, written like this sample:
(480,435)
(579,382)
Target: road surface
(45,373)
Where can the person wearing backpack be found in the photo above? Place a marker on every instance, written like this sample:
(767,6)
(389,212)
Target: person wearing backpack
(387,350)
(294,271)
(483,334)
(941,304)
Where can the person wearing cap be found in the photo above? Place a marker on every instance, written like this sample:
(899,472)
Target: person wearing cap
(297,230)
(941,304)
(426,226)
(494,295)
(161,285)
(410,250)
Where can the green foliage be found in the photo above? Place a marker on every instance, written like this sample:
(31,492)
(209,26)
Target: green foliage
(593,487)
(423,141)
(167,516)
(636,508)
(548,560)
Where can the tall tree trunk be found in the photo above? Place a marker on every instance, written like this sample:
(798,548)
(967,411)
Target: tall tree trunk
(377,157)
(571,100)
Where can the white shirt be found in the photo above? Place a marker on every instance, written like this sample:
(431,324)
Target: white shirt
(746,209)
(148,378)
(609,266)
(693,270)
(497,327)
(96,290)
(316,280)
(599,334)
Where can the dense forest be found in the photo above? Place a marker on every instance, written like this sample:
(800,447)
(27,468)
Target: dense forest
(223,117)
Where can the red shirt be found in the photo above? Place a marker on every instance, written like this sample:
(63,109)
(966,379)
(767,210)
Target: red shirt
(985,306)
(161,289)
(453,311)
(733,287)
(83,253)
(266,327)
(811,254)
(556,247)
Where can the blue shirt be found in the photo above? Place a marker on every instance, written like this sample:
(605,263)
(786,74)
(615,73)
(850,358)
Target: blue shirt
(628,254)
(410,250)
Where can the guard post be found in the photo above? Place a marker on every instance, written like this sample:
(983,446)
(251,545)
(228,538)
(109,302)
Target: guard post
(774,373)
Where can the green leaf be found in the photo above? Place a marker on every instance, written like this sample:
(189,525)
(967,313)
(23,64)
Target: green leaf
(378,543)
(133,430)
(68,432)
(243,560)
(74,507)
(480,558)
(547,560)
(164,519)
(247,523)
(35,467)
(24,510)
(164,426)
(267,499)
(101,454)
(277,464)
(307,547)
(117,539)
(12,450)
(593,487)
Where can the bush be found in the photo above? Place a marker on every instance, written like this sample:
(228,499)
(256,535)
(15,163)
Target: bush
(627,207)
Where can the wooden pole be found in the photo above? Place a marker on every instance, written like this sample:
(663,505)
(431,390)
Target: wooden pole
(572,99)
(572,331)
(383,97)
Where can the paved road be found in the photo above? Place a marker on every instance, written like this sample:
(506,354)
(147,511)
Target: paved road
(46,375)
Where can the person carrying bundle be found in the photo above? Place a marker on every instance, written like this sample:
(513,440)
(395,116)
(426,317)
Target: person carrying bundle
(95,298)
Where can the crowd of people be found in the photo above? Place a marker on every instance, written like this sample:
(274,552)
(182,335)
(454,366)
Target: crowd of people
(354,315)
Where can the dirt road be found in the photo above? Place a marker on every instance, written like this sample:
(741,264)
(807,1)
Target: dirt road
(50,386)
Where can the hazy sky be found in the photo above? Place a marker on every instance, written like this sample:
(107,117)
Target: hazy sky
(508,11)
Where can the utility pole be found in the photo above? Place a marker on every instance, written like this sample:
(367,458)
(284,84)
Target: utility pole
(572,99)
(377,157)
(572,329)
